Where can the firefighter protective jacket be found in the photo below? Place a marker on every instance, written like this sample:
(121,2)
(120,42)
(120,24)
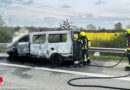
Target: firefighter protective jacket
(128,43)
(84,42)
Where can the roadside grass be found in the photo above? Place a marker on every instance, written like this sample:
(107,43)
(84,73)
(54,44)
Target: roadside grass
(108,57)
(3,50)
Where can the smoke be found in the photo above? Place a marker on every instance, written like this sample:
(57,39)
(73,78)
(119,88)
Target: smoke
(19,34)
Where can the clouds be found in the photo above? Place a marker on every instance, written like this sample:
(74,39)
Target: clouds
(100,2)
(25,2)
(6,1)
(66,6)
(51,22)
(51,12)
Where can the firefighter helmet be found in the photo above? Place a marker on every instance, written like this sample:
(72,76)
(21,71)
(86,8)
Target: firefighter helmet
(128,31)
(82,34)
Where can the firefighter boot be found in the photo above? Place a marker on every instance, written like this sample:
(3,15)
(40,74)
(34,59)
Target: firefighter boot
(85,60)
(78,63)
(127,68)
(88,61)
(81,64)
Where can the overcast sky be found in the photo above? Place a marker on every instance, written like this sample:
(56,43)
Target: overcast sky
(103,13)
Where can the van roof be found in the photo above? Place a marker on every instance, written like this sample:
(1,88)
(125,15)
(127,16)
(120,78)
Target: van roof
(65,31)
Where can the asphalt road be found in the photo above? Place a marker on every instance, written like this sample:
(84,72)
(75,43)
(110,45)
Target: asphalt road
(39,75)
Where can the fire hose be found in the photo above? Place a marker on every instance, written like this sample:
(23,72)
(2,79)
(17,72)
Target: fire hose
(100,86)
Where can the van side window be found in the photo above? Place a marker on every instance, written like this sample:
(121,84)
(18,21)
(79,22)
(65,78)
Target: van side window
(24,39)
(56,38)
(39,39)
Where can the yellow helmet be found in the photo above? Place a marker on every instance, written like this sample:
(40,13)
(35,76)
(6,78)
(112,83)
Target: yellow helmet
(82,33)
(128,31)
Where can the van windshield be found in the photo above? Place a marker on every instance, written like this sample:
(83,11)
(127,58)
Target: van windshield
(24,39)
(57,38)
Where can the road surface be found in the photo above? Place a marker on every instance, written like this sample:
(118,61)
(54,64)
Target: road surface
(39,75)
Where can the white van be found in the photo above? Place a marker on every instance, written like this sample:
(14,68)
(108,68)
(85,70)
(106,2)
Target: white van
(52,45)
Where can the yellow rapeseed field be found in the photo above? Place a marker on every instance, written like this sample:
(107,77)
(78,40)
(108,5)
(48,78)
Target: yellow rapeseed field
(100,36)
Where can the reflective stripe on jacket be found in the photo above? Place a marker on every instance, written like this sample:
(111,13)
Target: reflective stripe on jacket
(84,42)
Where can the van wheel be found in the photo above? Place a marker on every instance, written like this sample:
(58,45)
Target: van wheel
(56,59)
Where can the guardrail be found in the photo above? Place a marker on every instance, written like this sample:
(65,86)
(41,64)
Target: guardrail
(4,44)
(94,49)
(110,50)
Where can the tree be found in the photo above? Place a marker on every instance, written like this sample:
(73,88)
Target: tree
(102,30)
(118,26)
(91,27)
(17,28)
(5,34)
(66,25)
(2,23)
(98,28)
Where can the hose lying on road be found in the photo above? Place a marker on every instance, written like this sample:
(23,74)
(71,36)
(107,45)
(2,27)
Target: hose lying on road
(112,65)
(100,86)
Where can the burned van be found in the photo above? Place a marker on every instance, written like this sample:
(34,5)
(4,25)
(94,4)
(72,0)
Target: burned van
(55,46)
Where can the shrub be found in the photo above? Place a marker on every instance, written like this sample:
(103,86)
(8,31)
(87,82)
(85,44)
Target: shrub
(5,35)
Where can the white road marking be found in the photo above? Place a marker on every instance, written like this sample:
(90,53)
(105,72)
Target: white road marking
(64,71)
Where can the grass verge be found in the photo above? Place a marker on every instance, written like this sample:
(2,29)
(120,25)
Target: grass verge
(108,57)
(3,50)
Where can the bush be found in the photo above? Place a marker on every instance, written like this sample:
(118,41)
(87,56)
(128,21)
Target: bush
(5,35)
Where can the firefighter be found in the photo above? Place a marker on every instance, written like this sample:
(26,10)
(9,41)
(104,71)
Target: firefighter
(127,68)
(84,46)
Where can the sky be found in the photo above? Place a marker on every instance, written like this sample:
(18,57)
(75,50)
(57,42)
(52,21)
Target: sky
(50,13)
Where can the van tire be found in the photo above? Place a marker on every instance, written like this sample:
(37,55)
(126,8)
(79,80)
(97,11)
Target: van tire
(56,59)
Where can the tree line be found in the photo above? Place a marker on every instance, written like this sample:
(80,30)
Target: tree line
(6,32)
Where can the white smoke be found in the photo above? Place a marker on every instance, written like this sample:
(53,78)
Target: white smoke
(19,34)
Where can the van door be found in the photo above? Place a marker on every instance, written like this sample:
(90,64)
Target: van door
(59,43)
(23,46)
(38,45)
